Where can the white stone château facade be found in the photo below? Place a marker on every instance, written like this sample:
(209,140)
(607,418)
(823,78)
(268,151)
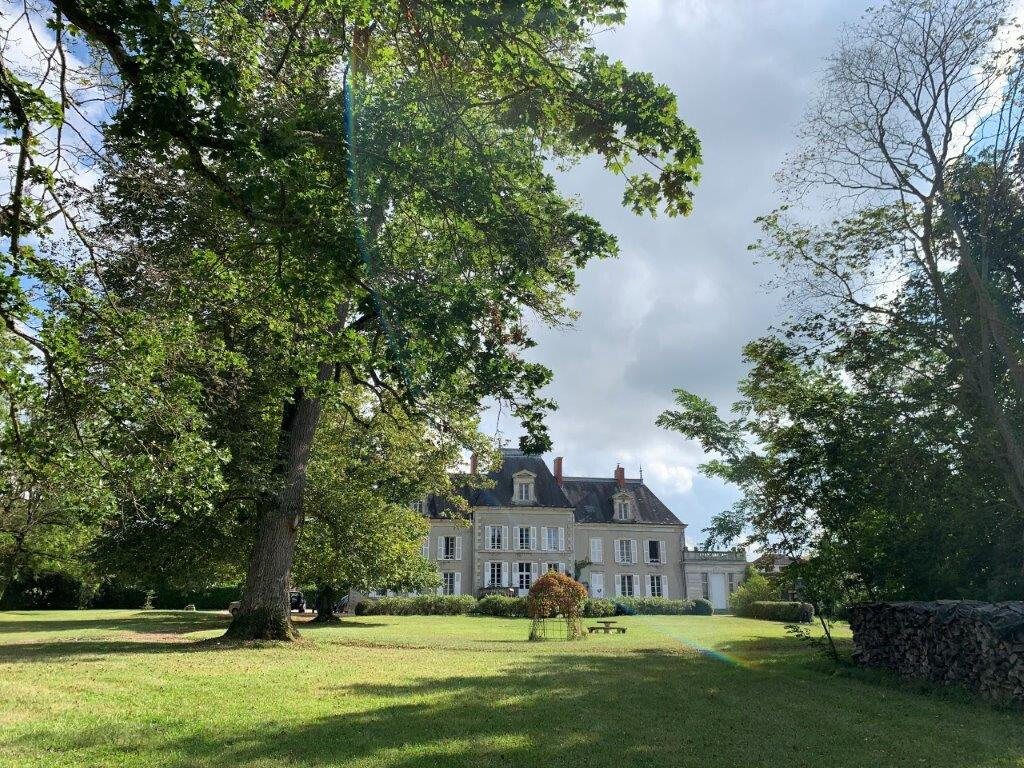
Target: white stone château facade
(532,520)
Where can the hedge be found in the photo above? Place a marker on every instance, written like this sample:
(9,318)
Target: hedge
(420,605)
(598,608)
(774,610)
(60,591)
(501,605)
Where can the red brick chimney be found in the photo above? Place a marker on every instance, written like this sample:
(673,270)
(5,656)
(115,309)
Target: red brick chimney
(472,464)
(558,469)
(620,476)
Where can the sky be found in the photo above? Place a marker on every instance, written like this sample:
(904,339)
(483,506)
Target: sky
(684,296)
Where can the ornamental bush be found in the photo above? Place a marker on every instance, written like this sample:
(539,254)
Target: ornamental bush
(702,607)
(776,610)
(598,608)
(556,594)
(502,606)
(755,588)
(418,605)
(658,606)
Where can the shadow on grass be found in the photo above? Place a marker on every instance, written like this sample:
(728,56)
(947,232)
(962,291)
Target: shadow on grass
(145,622)
(649,708)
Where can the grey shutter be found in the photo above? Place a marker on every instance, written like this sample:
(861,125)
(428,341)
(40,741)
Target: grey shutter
(561,539)
(504,537)
(533,537)
(458,547)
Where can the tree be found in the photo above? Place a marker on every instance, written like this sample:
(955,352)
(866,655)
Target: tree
(334,194)
(920,99)
(360,530)
(755,587)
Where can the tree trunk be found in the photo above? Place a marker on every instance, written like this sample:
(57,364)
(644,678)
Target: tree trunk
(326,597)
(264,613)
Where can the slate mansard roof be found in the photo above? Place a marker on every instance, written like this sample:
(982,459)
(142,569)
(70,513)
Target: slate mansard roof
(591,498)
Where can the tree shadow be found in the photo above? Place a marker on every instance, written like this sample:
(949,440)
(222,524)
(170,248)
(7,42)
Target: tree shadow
(643,708)
(144,622)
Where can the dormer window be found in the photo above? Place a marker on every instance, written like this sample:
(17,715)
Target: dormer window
(419,506)
(523,488)
(622,509)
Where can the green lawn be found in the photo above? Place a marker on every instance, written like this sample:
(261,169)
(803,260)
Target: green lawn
(122,688)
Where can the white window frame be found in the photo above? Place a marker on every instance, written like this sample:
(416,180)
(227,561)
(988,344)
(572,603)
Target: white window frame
(621,579)
(658,559)
(446,553)
(490,532)
(622,509)
(625,551)
(652,579)
(530,572)
(494,568)
(447,576)
(417,506)
(553,538)
(529,531)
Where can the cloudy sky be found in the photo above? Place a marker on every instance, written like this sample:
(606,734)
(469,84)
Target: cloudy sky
(675,309)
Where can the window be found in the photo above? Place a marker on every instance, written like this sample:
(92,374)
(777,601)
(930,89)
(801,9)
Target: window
(417,507)
(552,539)
(495,539)
(495,576)
(525,538)
(425,547)
(524,575)
(596,551)
(733,582)
(448,583)
(625,551)
(656,585)
(523,487)
(654,551)
(556,567)
(523,491)
(448,548)
(622,509)
(705,586)
(626,586)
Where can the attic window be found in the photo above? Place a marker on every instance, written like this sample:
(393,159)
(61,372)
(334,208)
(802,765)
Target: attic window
(417,506)
(622,509)
(523,488)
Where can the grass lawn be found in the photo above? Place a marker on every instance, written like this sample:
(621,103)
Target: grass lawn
(123,688)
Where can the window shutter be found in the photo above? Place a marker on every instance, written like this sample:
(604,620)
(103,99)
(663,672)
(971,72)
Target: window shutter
(561,539)
(544,538)
(661,553)
(504,537)
(440,547)
(618,585)
(647,551)
(664,586)
(440,589)
(504,574)
(425,547)
(618,552)
(533,572)
(637,589)
(533,537)
(648,585)
(487,574)
(458,547)
(458,583)
(632,550)
(561,568)
(596,554)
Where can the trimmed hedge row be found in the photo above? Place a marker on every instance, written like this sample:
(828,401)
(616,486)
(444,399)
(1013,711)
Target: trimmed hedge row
(775,610)
(506,607)
(420,605)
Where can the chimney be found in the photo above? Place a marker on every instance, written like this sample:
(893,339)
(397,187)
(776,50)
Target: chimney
(620,476)
(558,469)
(472,464)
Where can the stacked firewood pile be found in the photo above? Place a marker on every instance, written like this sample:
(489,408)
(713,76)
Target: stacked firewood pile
(976,645)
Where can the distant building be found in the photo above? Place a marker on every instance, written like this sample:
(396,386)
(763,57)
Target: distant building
(533,520)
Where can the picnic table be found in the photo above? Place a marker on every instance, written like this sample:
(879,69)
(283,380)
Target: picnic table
(607,625)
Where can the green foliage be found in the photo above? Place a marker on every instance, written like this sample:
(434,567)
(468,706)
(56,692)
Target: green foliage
(420,605)
(755,587)
(777,610)
(555,594)
(702,607)
(502,606)
(46,591)
(598,608)
(658,606)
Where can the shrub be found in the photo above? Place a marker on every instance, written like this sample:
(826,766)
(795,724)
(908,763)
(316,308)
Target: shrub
(702,607)
(47,591)
(597,608)
(500,605)
(419,605)
(555,594)
(362,607)
(755,588)
(776,610)
(658,606)
(624,609)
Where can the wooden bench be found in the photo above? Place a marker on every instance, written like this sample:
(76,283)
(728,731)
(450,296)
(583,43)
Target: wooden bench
(607,626)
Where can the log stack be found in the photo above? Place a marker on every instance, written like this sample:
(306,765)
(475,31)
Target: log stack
(979,646)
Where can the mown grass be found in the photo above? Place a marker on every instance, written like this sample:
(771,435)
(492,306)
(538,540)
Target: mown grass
(142,689)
